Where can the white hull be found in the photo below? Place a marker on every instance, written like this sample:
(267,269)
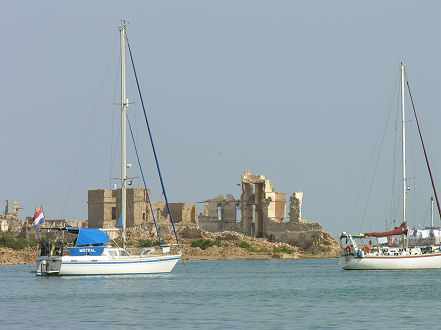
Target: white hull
(105,265)
(431,261)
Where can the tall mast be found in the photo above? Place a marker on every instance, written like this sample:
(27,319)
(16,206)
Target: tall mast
(124,104)
(404,145)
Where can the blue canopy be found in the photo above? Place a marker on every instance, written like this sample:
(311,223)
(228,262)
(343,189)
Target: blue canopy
(91,236)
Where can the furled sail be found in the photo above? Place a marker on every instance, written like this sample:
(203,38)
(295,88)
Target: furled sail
(397,231)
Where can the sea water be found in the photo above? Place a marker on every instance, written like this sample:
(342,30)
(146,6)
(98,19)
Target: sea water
(239,294)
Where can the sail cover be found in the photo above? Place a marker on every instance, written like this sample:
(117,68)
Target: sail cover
(397,231)
(91,236)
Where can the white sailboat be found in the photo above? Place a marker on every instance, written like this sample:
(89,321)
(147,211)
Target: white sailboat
(358,252)
(92,254)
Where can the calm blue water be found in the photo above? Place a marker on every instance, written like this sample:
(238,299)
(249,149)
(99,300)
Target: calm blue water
(273,294)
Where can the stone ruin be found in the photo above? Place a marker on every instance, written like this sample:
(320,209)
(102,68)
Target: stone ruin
(14,213)
(263,214)
(219,214)
(104,209)
(9,221)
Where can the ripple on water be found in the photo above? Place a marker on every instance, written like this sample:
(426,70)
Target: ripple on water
(243,294)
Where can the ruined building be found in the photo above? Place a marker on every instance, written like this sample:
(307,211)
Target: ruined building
(104,209)
(219,214)
(10,220)
(14,213)
(263,214)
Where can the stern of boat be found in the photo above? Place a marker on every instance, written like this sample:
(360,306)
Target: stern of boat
(48,265)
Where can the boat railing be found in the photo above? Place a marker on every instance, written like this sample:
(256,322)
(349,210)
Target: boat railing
(153,250)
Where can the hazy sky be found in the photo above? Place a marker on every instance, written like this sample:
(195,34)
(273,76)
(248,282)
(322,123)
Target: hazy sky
(295,90)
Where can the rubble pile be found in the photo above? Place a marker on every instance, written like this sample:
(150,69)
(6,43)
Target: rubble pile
(233,245)
(258,248)
(12,257)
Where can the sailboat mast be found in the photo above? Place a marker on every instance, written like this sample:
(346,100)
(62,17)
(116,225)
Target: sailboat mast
(124,103)
(404,145)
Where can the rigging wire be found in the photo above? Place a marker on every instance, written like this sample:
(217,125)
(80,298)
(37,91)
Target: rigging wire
(424,148)
(393,199)
(416,190)
(114,145)
(151,140)
(143,179)
(91,119)
(379,142)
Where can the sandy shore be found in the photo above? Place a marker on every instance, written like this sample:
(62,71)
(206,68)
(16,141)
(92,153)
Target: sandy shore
(12,257)
(28,256)
(229,249)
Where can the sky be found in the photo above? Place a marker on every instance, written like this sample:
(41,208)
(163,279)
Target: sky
(303,92)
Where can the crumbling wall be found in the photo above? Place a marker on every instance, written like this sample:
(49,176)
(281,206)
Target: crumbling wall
(11,215)
(78,223)
(102,205)
(13,225)
(303,239)
(263,214)
(183,213)
(295,207)
(247,200)
(136,206)
(10,221)
(276,205)
(259,202)
(104,209)
(225,207)
(273,226)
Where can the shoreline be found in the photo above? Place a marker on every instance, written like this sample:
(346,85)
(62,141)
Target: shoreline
(257,258)
(207,259)
(234,246)
(10,257)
